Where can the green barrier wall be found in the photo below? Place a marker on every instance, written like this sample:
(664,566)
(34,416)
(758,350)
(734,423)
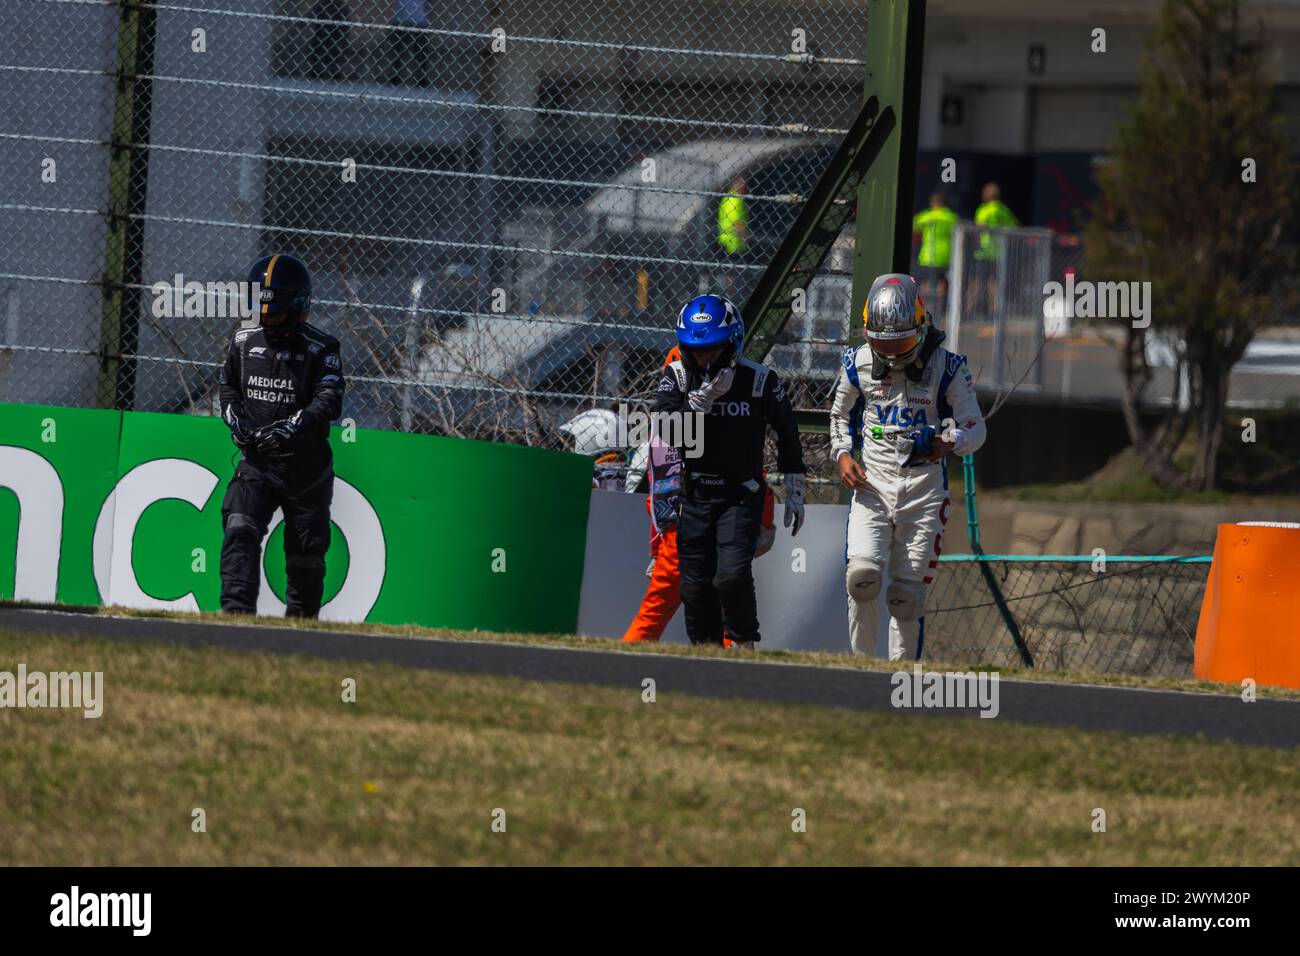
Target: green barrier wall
(104,507)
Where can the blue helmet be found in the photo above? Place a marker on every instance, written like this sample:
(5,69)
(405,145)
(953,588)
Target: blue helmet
(709,321)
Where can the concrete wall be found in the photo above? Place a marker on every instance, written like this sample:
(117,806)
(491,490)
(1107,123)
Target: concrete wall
(800,582)
(804,610)
(1116,623)
(1045,527)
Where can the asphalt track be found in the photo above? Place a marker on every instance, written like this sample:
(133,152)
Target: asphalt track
(1273,723)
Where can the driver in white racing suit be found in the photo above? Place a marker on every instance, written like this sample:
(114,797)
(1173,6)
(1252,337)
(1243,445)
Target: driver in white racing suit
(903,403)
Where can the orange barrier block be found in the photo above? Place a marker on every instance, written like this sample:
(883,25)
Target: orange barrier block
(1250,616)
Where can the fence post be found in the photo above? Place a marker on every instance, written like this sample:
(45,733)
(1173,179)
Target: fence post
(990,581)
(1044,273)
(955,289)
(411,354)
(128,179)
(972,511)
(1000,311)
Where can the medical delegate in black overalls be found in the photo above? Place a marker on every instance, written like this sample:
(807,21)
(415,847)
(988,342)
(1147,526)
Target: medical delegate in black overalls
(281,386)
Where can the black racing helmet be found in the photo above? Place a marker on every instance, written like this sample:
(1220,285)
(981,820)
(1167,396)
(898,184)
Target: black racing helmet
(284,292)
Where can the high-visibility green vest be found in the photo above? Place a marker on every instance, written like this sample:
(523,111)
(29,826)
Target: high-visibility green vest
(994,215)
(935,227)
(732,212)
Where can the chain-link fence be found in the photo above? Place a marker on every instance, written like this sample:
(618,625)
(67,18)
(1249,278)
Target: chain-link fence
(503,204)
(1129,615)
(1026,311)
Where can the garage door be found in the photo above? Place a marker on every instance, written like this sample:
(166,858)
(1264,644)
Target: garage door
(1078,118)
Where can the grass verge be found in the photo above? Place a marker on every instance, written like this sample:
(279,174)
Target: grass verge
(287,773)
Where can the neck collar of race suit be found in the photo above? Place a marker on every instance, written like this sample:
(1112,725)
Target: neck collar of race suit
(726,359)
(282,336)
(933,339)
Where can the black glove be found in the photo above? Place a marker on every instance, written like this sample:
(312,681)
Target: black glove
(276,440)
(922,445)
(242,438)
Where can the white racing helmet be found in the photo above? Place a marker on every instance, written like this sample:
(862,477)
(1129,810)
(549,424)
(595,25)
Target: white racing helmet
(594,431)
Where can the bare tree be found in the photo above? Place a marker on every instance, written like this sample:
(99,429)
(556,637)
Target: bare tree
(459,385)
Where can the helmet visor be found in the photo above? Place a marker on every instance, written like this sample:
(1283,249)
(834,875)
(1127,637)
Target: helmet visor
(706,357)
(894,344)
(711,352)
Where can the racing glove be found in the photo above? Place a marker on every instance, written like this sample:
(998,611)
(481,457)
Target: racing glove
(276,440)
(714,387)
(242,438)
(922,446)
(924,451)
(923,441)
(795,485)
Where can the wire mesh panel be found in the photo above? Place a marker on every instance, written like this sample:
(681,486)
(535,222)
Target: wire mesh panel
(1031,317)
(1132,617)
(503,204)
(56,116)
(995,309)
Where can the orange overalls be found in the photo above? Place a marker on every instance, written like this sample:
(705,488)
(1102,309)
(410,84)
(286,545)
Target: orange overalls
(664,595)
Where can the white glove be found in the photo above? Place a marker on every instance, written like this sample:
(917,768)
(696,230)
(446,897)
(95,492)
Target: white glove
(714,387)
(795,485)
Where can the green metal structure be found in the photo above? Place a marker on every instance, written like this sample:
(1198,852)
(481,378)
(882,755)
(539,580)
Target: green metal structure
(883,240)
(825,213)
